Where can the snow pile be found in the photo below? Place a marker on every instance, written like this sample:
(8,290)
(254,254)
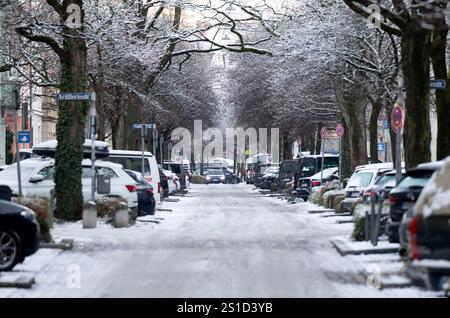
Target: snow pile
(435,197)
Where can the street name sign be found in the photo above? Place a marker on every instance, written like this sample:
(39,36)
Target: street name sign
(74,97)
(438,84)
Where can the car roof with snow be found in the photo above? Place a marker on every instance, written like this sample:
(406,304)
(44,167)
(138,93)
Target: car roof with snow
(130,153)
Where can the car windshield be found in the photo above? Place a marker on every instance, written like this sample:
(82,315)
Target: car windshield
(384,179)
(416,179)
(361,179)
(10,173)
(214,173)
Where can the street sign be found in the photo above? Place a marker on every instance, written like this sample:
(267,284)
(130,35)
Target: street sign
(139,126)
(381,146)
(396,117)
(75,97)
(386,124)
(23,137)
(323,133)
(438,84)
(339,130)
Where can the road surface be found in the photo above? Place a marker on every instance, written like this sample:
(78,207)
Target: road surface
(224,241)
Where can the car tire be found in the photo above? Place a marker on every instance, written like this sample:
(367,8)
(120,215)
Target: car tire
(9,241)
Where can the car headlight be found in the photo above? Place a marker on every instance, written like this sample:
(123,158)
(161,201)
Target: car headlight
(222,177)
(29,215)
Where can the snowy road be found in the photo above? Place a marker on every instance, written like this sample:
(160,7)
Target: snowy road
(224,241)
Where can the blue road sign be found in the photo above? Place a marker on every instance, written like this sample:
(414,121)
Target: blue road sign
(23,137)
(381,146)
(386,124)
(74,97)
(438,84)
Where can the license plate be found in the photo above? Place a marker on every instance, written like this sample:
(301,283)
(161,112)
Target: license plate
(304,185)
(354,194)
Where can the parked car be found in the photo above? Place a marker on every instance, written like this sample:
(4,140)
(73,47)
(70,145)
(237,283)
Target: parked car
(214,176)
(19,234)
(429,230)
(382,186)
(268,180)
(260,172)
(144,190)
(132,160)
(288,168)
(405,194)
(179,169)
(304,185)
(37,179)
(172,181)
(358,182)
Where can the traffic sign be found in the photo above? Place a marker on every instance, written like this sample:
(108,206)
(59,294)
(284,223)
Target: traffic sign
(396,117)
(75,97)
(323,133)
(381,146)
(438,84)
(139,126)
(23,137)
(339,130)
(386,124)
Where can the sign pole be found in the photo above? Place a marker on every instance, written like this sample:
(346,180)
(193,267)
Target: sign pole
(340,162)
(143,129)
(323,135)
(161,146)
(16,105)
(92,124)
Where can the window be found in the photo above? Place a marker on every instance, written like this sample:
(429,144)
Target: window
(416,179)
(132,163)
(307,167)
(361,179)
(48,172)
(107,172)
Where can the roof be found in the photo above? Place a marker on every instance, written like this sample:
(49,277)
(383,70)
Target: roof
(429,165)
(130,153)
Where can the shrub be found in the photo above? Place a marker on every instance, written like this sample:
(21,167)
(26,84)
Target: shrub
(358,228)
(107,207)
(41,208)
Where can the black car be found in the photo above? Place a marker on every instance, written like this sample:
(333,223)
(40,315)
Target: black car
(215,176)
(288,169)
(406,193)
(259,173)
(269,179)
(144,190)
(311,165)
(305,185)
(19,234)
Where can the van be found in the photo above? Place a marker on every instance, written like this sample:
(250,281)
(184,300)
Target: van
(132,160)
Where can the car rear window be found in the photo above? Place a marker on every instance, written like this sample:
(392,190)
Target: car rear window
(361,179)
(132,163)
(416,179)
(288,167)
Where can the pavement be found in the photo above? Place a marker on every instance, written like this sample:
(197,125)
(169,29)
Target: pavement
(221,241)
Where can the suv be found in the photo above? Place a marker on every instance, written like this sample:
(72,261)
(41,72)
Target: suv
(429,231)
(288,169)
(37,179)
(19,234)
(179,169)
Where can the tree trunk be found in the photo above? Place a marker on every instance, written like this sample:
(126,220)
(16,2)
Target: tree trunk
(318,139)
(346,154)
(438,58)
(70,126)
(354,113)
(415,45)
(287,146)
(377,105)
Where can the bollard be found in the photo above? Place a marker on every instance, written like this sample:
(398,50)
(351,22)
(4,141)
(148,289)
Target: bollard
(90,216)
(121,217)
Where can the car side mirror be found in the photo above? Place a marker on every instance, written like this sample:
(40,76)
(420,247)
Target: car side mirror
(36,178)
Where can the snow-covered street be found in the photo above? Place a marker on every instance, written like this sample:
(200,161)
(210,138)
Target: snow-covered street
(220,241)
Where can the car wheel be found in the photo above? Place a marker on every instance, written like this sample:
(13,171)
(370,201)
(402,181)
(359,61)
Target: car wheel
(10,249)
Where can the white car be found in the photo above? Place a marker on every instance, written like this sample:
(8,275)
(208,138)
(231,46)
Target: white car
(132,160)
(37,179)
(172,181)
